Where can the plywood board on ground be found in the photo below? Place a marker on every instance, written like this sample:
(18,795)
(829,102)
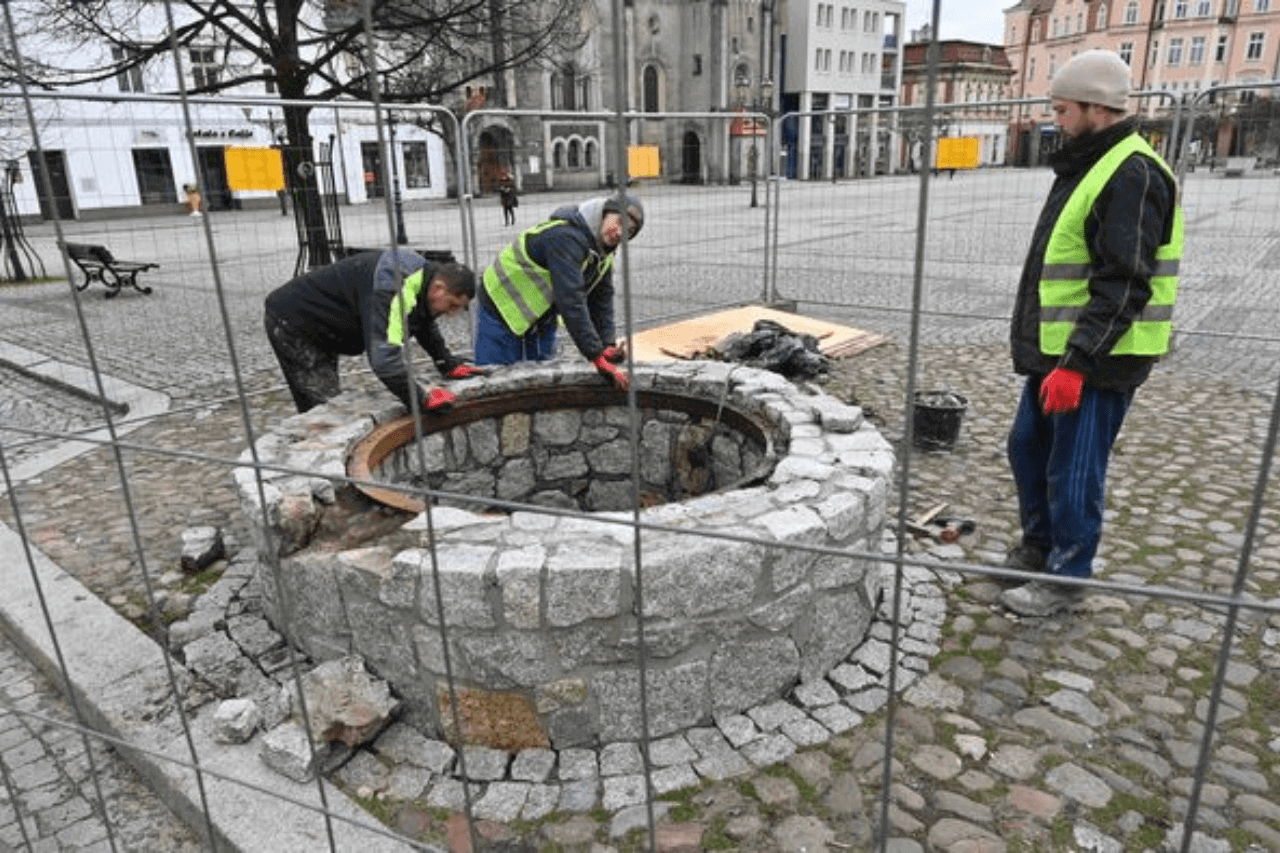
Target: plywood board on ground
(690,338)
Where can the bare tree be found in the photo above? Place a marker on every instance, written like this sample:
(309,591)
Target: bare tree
(410,52)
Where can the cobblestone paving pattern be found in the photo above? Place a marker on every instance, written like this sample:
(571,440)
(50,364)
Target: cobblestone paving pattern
(1074,733)
(58,805)
(1028,735)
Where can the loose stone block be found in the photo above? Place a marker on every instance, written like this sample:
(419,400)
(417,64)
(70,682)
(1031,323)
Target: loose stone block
(235,720)
(286,750)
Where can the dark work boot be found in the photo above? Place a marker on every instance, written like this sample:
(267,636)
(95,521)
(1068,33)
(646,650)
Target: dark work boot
(1042,598)
(1024,558)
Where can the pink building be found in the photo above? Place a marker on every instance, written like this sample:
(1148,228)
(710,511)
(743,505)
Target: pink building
(1174,46)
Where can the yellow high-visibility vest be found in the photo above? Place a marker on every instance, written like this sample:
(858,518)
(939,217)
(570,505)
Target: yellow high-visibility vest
(1064,281)
(521,288)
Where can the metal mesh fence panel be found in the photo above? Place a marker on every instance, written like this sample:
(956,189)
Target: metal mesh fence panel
(1145,718)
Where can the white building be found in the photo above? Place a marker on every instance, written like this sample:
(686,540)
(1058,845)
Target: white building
(123,147)
(841,56)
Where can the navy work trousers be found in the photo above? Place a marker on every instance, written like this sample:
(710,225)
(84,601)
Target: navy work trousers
(1059,464)
(496,345)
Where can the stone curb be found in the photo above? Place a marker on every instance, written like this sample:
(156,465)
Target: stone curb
(139,403)
(118,678)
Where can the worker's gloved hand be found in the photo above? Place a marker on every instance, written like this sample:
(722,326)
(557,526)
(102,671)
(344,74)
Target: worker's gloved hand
(439,401)
(1060,390)
(464,371)
(608,371)
(614,354)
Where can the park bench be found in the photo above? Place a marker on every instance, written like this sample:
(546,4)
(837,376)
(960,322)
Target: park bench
(98,264)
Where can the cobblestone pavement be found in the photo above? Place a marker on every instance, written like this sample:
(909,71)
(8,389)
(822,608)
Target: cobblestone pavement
(58,805)
(1026,734)
(1074,733)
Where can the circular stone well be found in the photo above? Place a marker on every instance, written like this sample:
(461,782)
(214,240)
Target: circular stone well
(541,607)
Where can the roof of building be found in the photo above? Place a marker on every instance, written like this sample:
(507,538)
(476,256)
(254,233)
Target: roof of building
(958,51)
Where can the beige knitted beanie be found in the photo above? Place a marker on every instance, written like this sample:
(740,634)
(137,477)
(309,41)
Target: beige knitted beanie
(1093,77)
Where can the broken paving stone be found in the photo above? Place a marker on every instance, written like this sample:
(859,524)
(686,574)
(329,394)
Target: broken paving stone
(218,661)
(201,623)
(287,750)
(346,703)
(201,548)
(236,720)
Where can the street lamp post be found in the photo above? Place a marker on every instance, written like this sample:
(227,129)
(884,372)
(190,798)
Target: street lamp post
(753,156)
(401,238)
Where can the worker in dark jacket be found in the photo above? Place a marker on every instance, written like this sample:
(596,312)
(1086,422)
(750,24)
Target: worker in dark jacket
(560,268)
(1093,314)
(370,303)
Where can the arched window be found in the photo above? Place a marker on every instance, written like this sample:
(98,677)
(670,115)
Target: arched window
(1131,12)
(575,154)
(589,154)
(650,85)
(1102,16)
(569,88)
(557,154)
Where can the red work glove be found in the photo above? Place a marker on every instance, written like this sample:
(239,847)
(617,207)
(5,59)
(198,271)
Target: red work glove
(1060,390)
(608,371)
(464,371)
(614,354)
(439,401)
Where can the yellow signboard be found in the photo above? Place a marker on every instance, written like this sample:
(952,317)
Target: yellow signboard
(959,152)
(643,161)
(254,169)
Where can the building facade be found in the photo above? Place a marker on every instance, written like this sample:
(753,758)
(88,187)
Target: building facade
(1176,48)
(971,76)
(697,71)
(840,57)
(118,149)
(718,65)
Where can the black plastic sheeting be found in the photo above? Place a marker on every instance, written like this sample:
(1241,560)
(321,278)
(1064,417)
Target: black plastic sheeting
(772,346)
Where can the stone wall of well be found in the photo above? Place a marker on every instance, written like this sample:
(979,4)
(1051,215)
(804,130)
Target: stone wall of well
(541,609)
(578,459)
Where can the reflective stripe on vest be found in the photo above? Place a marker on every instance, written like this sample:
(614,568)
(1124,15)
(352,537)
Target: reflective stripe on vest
(402,307)
(521,289)
(1064,281)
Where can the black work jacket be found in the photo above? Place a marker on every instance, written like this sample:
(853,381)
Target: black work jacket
(345,308)
(1130,219)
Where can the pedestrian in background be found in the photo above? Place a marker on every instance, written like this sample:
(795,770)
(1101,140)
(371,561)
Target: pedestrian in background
(560,268)
(1093,314)
(510,200)
(370,303)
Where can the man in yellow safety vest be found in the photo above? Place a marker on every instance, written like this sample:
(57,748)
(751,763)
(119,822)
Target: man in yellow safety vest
(561,268)
(1093,313)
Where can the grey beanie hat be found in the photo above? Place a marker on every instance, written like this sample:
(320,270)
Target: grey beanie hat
(594,209)
(1093,77)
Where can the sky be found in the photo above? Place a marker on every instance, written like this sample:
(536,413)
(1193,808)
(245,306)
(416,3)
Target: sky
(972,20)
